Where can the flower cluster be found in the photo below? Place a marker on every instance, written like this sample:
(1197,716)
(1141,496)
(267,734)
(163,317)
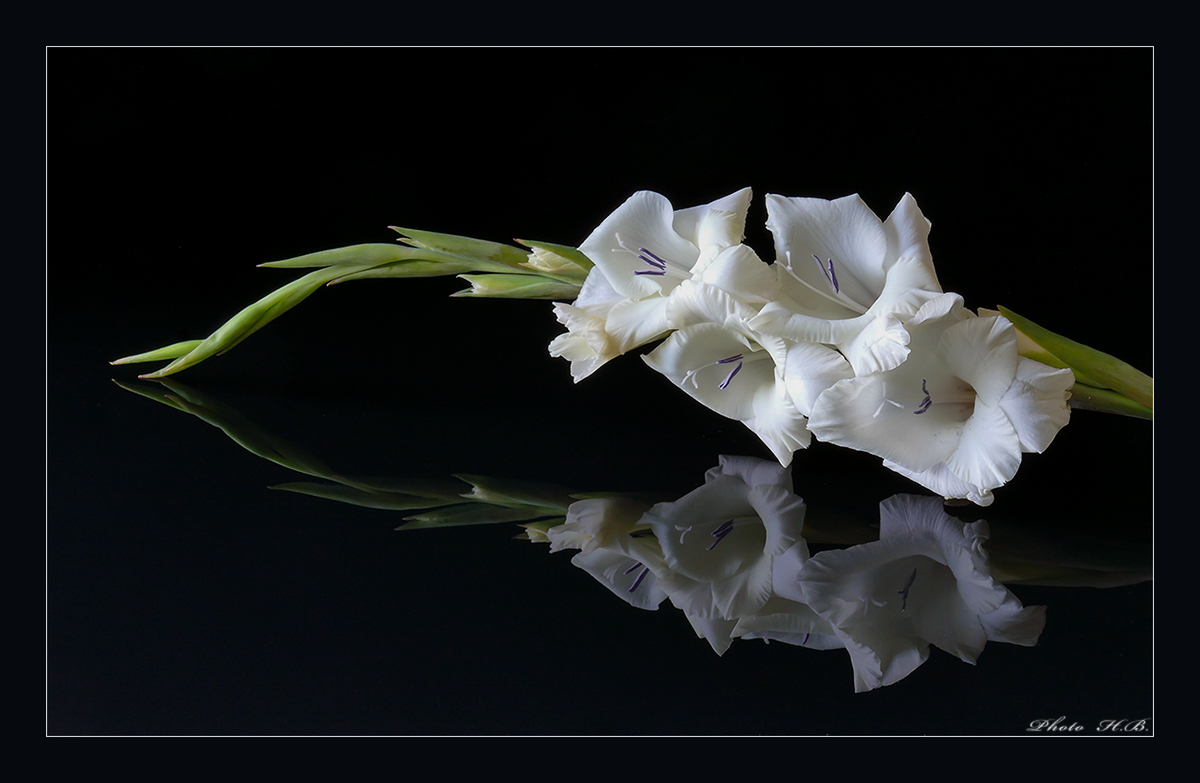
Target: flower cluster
(846,336)
(732,556)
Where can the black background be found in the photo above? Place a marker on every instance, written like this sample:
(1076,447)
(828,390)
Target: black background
(184,597)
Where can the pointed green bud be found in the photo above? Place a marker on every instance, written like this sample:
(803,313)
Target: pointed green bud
(1091,367)
(165,353)
(465,247)
(553,259)
(536,531)
(519,287)
(1093,398)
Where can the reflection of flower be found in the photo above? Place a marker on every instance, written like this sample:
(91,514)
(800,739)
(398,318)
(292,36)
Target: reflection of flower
(926,581)
(711,551)
(847,278)
(957,414)
(604,530)
(732,557)
(720,541)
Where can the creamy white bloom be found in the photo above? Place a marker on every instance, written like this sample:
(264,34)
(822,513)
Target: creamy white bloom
(766,382)
(926,581)
(957,414)
(646,248)
(847,278)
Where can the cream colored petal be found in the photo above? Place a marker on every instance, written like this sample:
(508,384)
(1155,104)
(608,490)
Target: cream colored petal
(880,345)
(982,352)
(907,232)
(844,231)
(1036,403)
(989,452)
(876,414)
(643,223)
(944,482)
(635,322)
(809,370)
(721,223)
(739,271)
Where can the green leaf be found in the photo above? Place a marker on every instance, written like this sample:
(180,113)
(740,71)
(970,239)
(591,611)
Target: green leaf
(1092,367)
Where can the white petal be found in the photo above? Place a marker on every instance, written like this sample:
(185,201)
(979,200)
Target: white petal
(982,352)
(693,358)
(777,422)
(645,220)
(779,319)
(844,230)
(1014,623)
(907,232)
(721,223)
(597,296)
(717,632)
(1036,403)
(881,345)
(989,452)
(911,282)
(635,322)
(875,413)
(739,271)
(755,472)
(694,302)
(943,481)
(809,370)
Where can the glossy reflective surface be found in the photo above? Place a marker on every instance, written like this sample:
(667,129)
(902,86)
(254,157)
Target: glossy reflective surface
(184,597)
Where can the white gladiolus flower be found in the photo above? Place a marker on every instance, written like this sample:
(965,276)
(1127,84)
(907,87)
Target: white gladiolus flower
(644,250)
(847,278)
(957,414)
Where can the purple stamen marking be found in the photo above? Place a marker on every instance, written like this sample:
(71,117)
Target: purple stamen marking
(827,268)
(804,641)
(720,533)
(925,403)
(737,358)
(660,265)
(641,576)
(912,578)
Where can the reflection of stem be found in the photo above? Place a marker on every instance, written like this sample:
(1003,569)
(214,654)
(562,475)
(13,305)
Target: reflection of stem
(444,503)
(1018,554)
